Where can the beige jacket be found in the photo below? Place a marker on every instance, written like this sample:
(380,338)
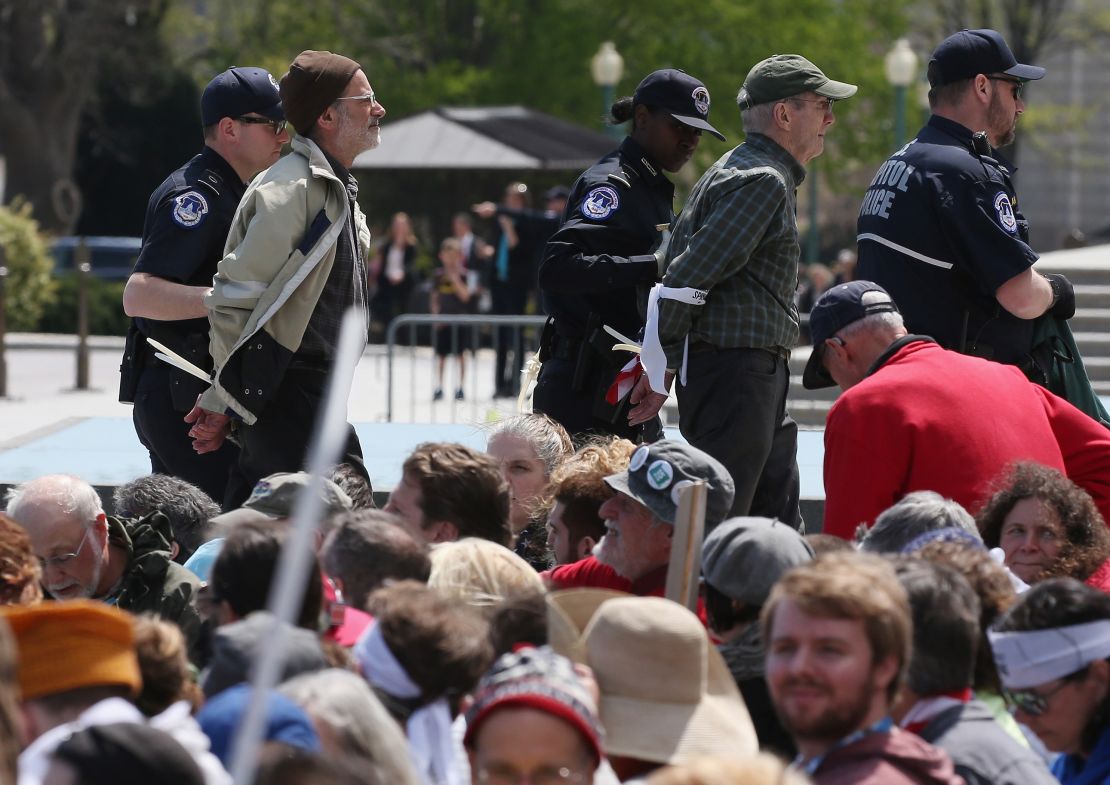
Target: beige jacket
(278,256)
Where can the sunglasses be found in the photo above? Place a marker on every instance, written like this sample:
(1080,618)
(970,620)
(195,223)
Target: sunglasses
(1031,702)
(1017,83)
(277,126)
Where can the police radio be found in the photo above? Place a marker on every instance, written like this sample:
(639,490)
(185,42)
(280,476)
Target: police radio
(980,144)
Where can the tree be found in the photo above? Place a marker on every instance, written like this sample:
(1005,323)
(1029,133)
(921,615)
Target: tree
(423,53)
(51,52)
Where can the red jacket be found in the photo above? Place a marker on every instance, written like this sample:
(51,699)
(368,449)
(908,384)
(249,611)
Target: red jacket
(932,419)
(592,574)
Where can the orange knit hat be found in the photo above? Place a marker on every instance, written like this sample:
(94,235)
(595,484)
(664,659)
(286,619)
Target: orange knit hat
(71,645)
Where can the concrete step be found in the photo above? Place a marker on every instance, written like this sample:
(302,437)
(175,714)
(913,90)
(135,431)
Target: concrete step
(1093,295)
(1090,320)
(1081,266)
(1098,368)
(1092,344)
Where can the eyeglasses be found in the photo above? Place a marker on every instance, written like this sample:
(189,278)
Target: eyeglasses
(1017,83)
(824,104)
(65,558)
(1031,702)
(276,125)
(544,775)
(369,98)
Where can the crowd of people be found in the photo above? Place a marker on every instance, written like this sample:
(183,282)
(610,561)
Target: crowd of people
(505,617)
(513,615)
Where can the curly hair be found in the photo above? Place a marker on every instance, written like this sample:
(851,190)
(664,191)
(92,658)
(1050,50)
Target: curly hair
(1086,541)
(20,571)
(579,484)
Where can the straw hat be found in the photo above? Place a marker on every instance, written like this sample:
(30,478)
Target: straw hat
(666,694)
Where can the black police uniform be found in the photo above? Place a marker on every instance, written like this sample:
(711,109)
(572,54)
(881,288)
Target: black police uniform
(589,277)
(187,221)
(940,230)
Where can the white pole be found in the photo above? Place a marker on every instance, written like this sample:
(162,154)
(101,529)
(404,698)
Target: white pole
(287,589)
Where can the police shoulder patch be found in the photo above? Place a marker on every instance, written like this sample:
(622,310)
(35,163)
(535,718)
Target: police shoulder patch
(600,202)
(189,209)
(1005,210)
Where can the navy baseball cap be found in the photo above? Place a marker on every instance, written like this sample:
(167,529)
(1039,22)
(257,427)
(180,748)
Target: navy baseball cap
(240,91)
(835,310)
(968,53)
(682,96)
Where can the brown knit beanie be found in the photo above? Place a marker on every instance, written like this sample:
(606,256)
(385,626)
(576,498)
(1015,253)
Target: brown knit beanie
(313,82)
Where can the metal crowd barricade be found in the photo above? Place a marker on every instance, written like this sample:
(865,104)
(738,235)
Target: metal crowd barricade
(525,333)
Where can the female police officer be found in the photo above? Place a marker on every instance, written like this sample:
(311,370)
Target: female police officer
(592,266)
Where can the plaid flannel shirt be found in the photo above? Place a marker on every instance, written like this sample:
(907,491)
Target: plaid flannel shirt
(737,237)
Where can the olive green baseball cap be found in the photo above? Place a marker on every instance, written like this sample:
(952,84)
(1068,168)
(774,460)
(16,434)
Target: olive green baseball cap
(782,76)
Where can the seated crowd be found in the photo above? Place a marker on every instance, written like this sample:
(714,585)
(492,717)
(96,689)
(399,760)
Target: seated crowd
(507,616)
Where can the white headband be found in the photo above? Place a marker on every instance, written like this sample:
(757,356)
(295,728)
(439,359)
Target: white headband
(1034,657)
(431,745)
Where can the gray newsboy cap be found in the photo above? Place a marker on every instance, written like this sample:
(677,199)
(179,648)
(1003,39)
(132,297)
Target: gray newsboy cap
(744,557)
(658,471)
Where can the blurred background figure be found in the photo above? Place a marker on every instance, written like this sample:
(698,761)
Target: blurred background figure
(391,272)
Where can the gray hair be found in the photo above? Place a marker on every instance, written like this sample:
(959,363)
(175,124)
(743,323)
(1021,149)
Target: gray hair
(756,119)
(548,438)
(945,626)
(72,496)
(885,321)
(363,728)
(913,515)
(188,508)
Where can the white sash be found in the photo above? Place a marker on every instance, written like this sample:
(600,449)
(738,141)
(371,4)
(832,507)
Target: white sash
(651,356)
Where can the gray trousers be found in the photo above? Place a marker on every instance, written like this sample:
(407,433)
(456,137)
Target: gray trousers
(734,408)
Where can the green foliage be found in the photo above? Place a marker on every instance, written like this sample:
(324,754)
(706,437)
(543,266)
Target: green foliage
(419,54)
(30,287)
(106,316)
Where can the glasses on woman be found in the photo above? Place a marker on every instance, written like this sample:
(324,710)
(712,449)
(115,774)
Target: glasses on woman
(1032,702)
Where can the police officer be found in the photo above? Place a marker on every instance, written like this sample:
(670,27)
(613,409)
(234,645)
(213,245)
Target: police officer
(187,221)
(940,227)
(617,214)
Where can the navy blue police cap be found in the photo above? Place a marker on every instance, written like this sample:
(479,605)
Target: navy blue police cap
(968,53)
(241,91)
(835,310)
(682,96)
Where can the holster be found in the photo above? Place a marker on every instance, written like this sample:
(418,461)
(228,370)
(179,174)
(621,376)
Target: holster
(599,346)
(132,364)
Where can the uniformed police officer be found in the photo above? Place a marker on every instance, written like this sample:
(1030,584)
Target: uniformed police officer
(940,227)
(187,221)
(617,214)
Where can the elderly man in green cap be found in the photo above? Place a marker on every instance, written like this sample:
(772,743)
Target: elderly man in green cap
(724,318)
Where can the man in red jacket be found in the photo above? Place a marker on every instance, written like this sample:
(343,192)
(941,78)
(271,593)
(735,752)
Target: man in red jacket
(915,417)
(639,519)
